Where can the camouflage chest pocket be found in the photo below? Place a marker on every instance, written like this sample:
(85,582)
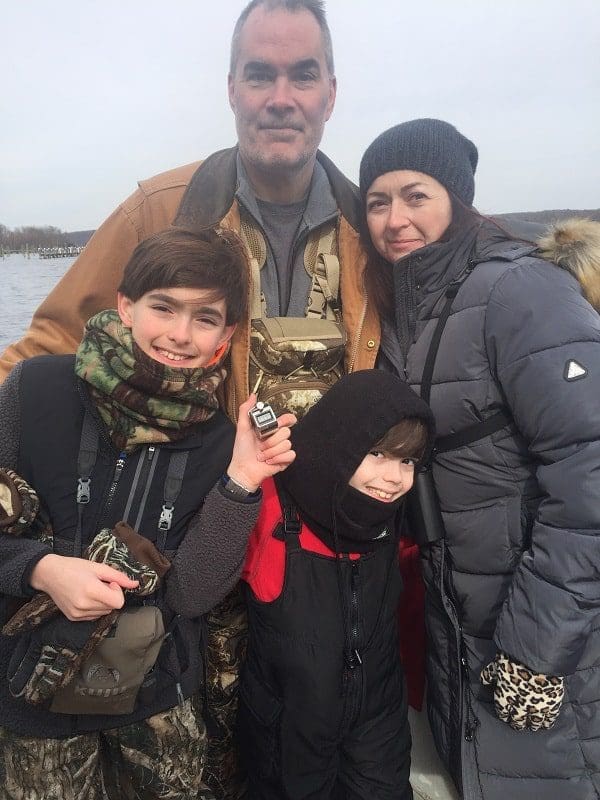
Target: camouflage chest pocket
(295,360)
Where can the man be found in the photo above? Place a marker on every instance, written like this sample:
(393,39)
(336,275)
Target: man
(282,91)
(285,198)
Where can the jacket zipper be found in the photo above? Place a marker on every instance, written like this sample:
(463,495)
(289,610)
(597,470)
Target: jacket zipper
(353,658)
(120,464)
(354,613)
(361,323)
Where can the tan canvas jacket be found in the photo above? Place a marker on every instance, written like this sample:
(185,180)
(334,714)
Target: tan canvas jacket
(192,196)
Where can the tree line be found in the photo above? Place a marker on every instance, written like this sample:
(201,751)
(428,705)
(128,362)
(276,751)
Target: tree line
(30,237)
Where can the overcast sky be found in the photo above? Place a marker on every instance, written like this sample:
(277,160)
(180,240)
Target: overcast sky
(97,95)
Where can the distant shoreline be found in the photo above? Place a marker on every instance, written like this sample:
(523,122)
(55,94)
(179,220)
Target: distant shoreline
(34,238)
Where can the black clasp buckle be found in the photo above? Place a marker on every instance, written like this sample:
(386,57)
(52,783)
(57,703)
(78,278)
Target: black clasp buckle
(291,520)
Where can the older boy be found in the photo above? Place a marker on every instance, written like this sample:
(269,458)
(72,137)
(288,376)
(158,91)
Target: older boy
(129,430)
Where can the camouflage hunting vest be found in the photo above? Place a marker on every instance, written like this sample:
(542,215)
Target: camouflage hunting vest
(295,360)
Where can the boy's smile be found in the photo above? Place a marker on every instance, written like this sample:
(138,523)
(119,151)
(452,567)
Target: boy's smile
(383,477)
(179,326)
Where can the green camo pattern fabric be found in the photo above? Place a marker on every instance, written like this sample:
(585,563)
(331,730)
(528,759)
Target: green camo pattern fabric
(140,400)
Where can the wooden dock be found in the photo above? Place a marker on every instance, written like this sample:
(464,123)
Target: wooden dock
(59,252)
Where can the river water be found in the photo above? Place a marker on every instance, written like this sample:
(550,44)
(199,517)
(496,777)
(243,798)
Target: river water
(25,283)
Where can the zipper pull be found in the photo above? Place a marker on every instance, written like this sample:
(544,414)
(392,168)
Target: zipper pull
(354,574)
(119,465)
(353,659)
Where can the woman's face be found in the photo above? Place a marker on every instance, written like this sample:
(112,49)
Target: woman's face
(406,210)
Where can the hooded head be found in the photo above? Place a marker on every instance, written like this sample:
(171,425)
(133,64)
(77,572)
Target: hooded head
(330,443)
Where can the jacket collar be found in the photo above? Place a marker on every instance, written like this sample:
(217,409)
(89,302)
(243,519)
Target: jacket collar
(320,205)
(212,190)
(440,263)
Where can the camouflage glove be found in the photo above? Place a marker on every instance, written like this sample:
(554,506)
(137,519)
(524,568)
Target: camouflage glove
(49,657)
(20,508)
(525,699)
(126,550)
(118,548)
(19,503)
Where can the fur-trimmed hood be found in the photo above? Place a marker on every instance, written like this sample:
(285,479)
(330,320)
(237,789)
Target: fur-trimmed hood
(574,244)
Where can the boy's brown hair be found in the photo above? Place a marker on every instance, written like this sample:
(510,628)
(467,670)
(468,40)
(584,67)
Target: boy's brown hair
(176,258)
(407,439)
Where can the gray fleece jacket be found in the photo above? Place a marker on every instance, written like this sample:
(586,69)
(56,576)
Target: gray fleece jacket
(206,561)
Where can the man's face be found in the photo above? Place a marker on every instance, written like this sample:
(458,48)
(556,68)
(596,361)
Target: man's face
(281,93)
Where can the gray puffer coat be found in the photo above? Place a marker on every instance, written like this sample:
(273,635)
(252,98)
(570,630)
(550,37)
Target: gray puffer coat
(519,570)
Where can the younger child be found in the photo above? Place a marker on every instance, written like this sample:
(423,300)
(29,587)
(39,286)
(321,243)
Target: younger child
(127,431)
(323,711)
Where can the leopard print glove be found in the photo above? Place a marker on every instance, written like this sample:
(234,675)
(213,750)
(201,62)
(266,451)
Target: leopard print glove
(526,700)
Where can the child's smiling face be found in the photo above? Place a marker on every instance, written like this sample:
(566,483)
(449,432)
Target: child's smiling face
(383,477)
(178,326)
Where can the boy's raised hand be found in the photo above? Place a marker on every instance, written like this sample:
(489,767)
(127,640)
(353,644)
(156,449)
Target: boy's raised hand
(254,459)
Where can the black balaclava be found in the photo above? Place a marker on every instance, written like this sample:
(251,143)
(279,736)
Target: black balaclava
(331,441)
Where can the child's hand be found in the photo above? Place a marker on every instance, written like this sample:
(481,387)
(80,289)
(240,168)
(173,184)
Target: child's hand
(82,590)
(254,459)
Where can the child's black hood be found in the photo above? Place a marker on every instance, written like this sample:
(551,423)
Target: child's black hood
(338,432)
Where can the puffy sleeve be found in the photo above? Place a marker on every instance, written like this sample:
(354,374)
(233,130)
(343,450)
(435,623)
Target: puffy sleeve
(543,343)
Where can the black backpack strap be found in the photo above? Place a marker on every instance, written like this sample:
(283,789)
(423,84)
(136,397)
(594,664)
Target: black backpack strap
(434,346)
(172,488)
(289,528)
(86,460)
(479,430)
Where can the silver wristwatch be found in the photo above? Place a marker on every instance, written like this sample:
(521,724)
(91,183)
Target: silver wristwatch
(235,490)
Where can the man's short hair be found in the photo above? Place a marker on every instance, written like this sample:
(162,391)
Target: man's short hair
(176,258)
(315,7)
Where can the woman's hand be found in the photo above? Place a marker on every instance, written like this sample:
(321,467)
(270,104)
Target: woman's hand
(82,590)
(254,459)
(525,699)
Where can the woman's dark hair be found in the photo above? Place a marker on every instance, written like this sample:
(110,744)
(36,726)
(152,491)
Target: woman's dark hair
(378,280)
(176,258)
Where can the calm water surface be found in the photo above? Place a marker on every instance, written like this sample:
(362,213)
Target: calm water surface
(25,283)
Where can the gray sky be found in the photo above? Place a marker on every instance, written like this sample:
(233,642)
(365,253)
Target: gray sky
(97,95)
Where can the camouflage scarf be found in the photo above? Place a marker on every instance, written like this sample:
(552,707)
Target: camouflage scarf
(140,400)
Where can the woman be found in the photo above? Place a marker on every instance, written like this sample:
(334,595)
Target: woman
(512,591)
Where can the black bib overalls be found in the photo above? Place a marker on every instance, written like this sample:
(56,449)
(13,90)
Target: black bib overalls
(323,709)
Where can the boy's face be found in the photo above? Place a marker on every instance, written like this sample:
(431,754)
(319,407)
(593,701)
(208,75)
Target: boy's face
(179,327)
(386,478)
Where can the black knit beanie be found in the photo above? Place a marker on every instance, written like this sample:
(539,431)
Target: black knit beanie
(430,146)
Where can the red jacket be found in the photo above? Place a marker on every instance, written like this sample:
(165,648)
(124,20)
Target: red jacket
(264,572)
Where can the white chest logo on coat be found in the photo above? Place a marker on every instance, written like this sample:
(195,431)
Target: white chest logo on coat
(574,371)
